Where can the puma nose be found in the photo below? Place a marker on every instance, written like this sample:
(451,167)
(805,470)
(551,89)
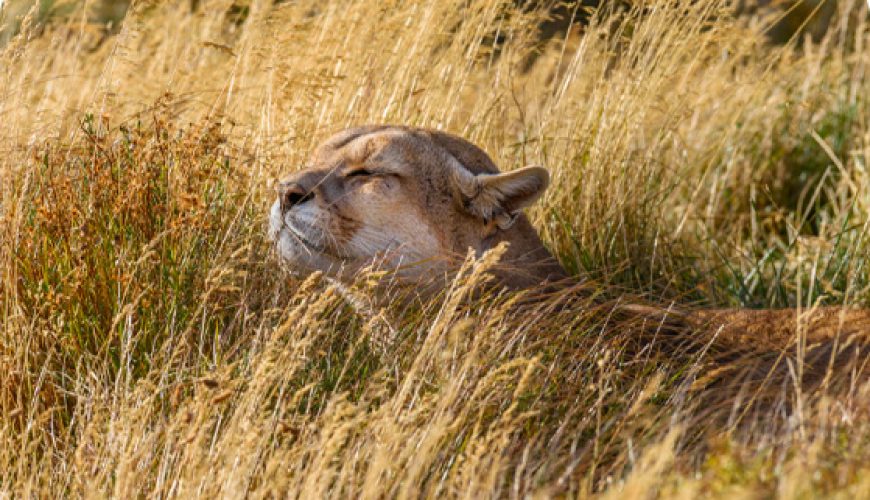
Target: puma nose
(292,194)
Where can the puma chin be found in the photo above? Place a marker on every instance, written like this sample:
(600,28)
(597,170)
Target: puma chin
(410,200)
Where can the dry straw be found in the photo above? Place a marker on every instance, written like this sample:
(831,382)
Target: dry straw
(150,345)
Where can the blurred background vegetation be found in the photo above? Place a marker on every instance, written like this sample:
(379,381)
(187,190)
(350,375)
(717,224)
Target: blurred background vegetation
(788,19)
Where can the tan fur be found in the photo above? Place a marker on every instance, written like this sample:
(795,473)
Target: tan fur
(777,328)
(427,198)
(432,196)
(765,329)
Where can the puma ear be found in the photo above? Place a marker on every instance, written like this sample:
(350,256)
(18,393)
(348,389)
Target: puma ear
(500,197)
(515,190)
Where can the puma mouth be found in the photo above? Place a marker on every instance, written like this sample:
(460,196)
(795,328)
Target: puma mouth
(306,242)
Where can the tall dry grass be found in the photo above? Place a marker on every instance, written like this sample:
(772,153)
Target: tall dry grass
(151,346)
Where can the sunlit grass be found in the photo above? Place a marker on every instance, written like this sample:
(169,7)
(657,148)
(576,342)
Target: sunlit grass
(151,345)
